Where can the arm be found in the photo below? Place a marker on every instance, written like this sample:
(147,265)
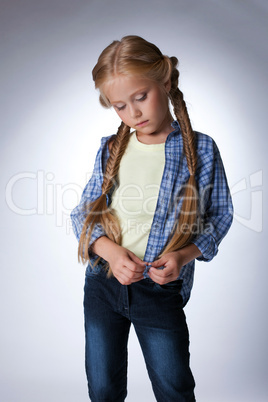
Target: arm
(216,212)
(126,266)
(216,209)
(90,193)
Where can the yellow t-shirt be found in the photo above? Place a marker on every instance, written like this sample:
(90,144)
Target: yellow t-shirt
(135,199)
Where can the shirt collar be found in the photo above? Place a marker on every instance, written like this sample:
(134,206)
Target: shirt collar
(176,130)
(175,125)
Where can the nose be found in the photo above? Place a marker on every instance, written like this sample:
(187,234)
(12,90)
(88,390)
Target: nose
(135,111)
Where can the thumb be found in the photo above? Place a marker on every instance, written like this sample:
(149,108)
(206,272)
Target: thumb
(158,263)
(136,259)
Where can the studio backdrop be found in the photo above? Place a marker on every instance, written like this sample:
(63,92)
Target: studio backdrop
(51,126)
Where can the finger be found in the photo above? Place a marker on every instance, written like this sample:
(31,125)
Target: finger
(134,267)
(159,263)
(137,260)
(125,279)
(134,275)
(162,281)
(159,279)
(160,273)
(137,280)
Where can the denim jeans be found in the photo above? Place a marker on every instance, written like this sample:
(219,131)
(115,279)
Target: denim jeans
(156,312)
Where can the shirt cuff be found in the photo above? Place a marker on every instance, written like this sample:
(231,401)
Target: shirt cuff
(96,234)
(207,246)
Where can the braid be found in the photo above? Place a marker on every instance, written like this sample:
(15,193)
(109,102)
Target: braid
(187,133)
(118,148)
(181,113)
(97,211)
(189,209)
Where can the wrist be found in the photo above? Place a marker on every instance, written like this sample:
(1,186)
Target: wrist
(188,253)
(104,247)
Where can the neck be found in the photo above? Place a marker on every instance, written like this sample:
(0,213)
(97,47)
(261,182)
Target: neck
(160,135)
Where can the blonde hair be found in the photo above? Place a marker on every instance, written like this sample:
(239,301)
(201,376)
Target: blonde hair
(134,55)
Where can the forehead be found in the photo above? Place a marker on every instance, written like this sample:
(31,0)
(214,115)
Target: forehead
(122,87)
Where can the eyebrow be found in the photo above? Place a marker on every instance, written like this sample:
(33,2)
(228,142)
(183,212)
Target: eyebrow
(145,89)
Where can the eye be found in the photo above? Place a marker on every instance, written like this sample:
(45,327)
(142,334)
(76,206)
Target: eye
(120,107)
(142,98)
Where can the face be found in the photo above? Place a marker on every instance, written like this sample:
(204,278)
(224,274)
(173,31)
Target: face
(141,104)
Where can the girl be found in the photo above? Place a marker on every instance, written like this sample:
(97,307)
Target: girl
(157,200)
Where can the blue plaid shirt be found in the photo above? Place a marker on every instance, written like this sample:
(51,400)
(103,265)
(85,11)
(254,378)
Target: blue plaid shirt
(216,210)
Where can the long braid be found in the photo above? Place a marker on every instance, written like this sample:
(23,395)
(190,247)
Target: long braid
(97,211)
(189,209)
(120,142)
(187,133)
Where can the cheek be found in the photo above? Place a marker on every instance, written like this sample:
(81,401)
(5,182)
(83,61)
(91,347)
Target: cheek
(158,103)
(123,116)
(163,103)
(153,106)
(119,113)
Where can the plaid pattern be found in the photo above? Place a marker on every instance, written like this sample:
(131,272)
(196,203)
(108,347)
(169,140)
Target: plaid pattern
(216,210)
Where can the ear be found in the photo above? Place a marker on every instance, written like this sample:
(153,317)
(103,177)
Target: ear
(167,85)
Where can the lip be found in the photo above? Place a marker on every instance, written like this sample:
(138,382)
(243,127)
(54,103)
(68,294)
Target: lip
(142,123)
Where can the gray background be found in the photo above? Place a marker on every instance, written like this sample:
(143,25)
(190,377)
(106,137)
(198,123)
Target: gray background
(51,125)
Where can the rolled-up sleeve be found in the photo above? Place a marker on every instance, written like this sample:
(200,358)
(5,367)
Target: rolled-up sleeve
(216,208)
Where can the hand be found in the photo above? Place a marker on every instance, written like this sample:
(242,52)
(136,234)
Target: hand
(172,263)
(125,265)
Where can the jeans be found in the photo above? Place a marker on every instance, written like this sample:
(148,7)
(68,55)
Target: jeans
(156,312)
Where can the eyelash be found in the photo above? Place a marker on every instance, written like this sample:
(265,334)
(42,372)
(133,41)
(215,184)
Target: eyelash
(120,108)
(142,98)
(139,100)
